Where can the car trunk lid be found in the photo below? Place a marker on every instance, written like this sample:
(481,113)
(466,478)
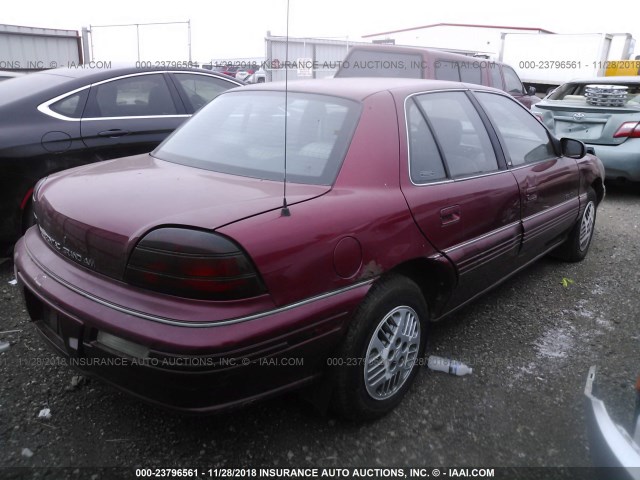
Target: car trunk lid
(590,124)
(131,196)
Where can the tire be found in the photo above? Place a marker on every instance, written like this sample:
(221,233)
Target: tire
(576,247)
(381,353)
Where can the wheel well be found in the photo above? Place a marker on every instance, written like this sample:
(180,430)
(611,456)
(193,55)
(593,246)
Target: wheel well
(598,187)
(435,278)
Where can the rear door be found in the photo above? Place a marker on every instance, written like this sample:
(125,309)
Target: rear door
(130,115)
(548,183)
(459,191)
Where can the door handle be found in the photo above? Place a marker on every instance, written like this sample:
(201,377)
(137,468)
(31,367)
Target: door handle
(450,215)
(114,133)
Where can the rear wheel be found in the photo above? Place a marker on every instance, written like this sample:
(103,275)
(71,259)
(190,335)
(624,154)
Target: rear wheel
(577,245)
(379,358)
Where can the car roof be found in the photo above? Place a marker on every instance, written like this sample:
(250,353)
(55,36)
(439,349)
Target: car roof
(99,73)
(50,83)
(360,88)
(442,54)
(605,80)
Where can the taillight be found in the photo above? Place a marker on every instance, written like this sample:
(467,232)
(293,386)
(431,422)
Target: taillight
(192,264)
(629,130)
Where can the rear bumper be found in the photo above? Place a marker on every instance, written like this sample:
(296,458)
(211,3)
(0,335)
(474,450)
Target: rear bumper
(191,367)
(620,161)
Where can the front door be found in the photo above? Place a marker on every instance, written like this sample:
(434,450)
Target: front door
(548,182)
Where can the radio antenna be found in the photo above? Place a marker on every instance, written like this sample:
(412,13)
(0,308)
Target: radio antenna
(285,208)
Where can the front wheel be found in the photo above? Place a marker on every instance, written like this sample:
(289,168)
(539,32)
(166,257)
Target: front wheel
(577,245)
(380,355)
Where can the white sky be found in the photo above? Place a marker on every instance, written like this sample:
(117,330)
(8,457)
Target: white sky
(236,29)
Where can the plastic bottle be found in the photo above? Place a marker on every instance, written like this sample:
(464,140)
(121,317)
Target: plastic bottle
(447,365)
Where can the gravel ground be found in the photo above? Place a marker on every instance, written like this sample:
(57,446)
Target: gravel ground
(530,342)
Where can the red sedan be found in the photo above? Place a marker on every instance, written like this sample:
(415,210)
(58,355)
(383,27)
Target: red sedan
(283,236)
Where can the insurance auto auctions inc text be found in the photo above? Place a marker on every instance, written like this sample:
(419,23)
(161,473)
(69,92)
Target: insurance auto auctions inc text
(356,472)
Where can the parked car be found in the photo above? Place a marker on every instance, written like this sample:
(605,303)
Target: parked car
(220,283)
(228,69)
(4,75)
(614,450)
(415,62)
(252,75)
(58,119)
(604,113)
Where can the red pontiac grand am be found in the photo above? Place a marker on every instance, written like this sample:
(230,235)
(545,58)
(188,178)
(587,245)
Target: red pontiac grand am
(206,275)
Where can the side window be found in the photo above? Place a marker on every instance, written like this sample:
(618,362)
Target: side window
(425,164)
(460,133)
(201,89)
(525,139)
(511,80)
(366,63)
(137,96)
(71,106)
(470,72)
(496,77)
(446,70)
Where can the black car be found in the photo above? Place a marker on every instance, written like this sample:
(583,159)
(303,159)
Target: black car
(62,118)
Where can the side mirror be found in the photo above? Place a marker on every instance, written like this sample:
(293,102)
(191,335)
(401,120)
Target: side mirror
(572,148)
(531,91)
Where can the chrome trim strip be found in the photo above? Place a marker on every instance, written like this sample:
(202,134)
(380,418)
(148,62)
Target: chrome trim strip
(182,323)
(44,107)
(481,237)
(479,260)
(551,209)
(528,165)
(182,115)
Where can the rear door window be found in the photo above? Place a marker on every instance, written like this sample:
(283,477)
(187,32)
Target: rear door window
(425,162)
(201,89)
(460,134)
(135,96)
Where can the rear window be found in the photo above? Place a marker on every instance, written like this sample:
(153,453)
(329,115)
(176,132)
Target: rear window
(369,63)
(599,93)
(243,133)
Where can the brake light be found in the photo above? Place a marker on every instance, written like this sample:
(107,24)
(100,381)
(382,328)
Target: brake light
(629,130)
(192,264)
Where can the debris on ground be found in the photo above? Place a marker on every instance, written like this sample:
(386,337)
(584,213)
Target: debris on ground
(566,282)
(27,453)
(447,365)
(45,413)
